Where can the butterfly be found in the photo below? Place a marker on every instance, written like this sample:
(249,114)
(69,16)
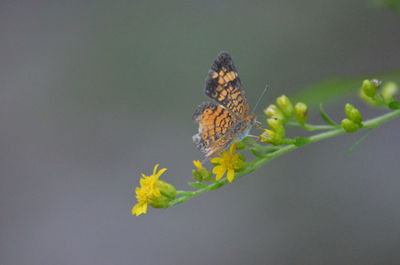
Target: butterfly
(228,119)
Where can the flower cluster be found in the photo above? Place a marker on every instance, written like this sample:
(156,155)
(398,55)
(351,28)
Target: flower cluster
(159,194)
(377,94)
(353,120)
(279,115)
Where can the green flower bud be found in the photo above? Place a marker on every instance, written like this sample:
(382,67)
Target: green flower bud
(285,105)
(166,189)
(349,126)
(389,91)
(159,202)
(196,175)
(206,175)
(371,101)
(201,173)
(353,114)
(168,193)
(276,125)
(301,112)
(274,112)
(241,163)
(271,137)
(369,87)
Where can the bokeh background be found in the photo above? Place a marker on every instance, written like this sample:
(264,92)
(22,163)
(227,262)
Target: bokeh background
(94,93)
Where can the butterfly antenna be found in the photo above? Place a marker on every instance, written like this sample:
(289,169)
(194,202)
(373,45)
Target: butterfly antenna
(259,99)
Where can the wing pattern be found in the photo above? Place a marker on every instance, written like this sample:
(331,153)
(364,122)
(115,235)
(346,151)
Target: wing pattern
(215,123)
(223,85)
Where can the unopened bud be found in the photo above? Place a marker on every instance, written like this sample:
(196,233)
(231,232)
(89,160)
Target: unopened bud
(389,91)
(168,193)
(353,114)
(276,125)
(349,126)
(369,100)
(201,173)
(274,112)
(285,105)
(271,137)
(369,87)
(301,112)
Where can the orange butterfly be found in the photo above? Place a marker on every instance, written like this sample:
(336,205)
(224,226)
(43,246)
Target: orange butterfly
(220,124)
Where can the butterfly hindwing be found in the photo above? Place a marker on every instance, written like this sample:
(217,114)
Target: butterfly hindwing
(215,124)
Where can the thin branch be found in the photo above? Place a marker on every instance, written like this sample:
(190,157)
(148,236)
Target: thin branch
(260,161)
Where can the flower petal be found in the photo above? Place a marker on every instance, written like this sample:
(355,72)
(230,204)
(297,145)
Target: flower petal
(197,164)
(142,181)
(219,171)
(139,208)
(216,160)
(160,172)
(155,169)
(156,192)
(231,175)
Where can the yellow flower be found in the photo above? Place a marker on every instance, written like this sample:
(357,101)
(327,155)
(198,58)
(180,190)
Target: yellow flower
(198,164)
(229,162)
(153,191)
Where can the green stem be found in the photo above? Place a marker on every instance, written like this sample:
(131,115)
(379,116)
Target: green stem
(255,164)
(375,122)
(311,127)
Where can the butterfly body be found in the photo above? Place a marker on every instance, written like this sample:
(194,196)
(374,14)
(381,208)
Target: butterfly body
(227,120)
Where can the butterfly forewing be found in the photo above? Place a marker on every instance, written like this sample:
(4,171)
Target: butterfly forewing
(224,86)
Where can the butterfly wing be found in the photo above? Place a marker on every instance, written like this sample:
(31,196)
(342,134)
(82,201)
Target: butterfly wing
(224,86)
(215,124)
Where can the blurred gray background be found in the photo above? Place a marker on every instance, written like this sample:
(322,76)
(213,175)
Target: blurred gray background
(94,93)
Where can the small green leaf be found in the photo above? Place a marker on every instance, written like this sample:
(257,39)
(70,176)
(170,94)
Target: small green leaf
(271,149)
(300,141)
(197,185)
(325,116)
(256,153)
(394,105)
